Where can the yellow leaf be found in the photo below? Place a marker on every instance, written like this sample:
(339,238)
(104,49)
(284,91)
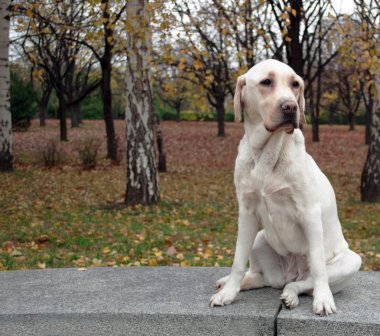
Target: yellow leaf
(181,66)
(260,31)
(41,265)
(158,253)
(103,6)
(152,262)
(198,64)
(294,12)
(284,16)
(185,263)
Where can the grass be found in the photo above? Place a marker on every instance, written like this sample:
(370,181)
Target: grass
(65,216)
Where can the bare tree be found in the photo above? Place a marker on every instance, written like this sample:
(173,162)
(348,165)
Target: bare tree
(207,55)
(305,31)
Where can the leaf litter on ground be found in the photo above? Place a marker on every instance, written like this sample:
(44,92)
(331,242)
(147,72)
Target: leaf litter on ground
(69,217)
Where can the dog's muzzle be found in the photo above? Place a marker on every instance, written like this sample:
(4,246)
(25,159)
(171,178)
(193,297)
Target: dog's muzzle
(289,113)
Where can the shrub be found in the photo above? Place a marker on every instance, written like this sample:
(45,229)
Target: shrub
(88,150)
(23,102)
(51,153)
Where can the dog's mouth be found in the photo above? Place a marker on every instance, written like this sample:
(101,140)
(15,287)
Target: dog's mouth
(288,125)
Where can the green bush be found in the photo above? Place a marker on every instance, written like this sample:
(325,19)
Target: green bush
(167,115)
(229,116)
(92,107)
(23,100)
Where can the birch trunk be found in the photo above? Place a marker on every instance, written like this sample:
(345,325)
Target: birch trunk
(6,153)
(370,181)
(142,174)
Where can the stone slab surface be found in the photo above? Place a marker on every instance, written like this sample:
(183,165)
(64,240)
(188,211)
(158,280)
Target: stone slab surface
(358,312)
(129,301)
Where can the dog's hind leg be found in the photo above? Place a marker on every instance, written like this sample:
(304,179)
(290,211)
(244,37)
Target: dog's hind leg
(264,263)
(339,275)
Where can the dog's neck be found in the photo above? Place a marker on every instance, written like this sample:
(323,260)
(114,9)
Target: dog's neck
(266,149)
(257,135)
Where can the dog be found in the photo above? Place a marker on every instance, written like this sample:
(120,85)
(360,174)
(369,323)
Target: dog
(288,226)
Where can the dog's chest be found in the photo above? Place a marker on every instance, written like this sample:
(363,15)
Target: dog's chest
(278,215)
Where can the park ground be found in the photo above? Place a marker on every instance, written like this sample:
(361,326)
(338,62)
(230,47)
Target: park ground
(67,216)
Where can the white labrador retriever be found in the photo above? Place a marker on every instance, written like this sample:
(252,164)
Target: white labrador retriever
(288,223)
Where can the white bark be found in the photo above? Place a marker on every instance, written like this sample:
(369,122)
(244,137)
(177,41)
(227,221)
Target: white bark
(6,155)
(142,173)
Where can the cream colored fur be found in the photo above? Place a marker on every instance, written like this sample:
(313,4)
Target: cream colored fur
(288,225)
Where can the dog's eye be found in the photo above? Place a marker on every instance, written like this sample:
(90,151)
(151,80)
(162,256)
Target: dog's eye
(266,82)
(295,84)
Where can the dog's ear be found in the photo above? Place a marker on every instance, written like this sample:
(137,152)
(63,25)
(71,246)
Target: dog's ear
(238,104)
(301,104)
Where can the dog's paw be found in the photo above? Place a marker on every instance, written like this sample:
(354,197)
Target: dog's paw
(323,303)
(289,298)
(220,283)
(223,297)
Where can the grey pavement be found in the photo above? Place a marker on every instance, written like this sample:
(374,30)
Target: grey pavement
(167,301)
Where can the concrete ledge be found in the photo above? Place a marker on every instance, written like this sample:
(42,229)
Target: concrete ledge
(167,301)
(358,312)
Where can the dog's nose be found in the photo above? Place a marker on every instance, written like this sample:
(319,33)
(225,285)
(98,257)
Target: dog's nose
(289,107)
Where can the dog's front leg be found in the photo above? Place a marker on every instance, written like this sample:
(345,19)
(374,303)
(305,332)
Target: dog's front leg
(323,299)
(247,230)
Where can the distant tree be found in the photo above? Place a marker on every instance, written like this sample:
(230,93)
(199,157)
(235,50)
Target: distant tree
(49,41)
(305,32)
(248,23)
(142,173)
(206,54)
(46,90)
(171,89)
(6,152)
(349,95)
(367,63)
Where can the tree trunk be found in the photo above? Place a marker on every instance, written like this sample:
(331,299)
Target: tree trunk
(106,86)
(332,111)
(75,114)
(142,174)
(351,121)
(370,181)
(178,112)
(62,106)
(44,104)
(294,49)
(6,152)
(160,147)
(368,120)
(315,127)
(220,113)
(314,117)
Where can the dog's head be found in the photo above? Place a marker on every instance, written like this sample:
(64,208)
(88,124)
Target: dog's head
(273,94)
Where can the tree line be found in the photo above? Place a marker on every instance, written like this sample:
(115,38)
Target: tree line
(191,52)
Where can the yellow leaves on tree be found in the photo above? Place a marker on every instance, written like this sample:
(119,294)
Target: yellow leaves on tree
(198,64)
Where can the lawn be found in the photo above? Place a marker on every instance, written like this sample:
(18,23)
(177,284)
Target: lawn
(68,217)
